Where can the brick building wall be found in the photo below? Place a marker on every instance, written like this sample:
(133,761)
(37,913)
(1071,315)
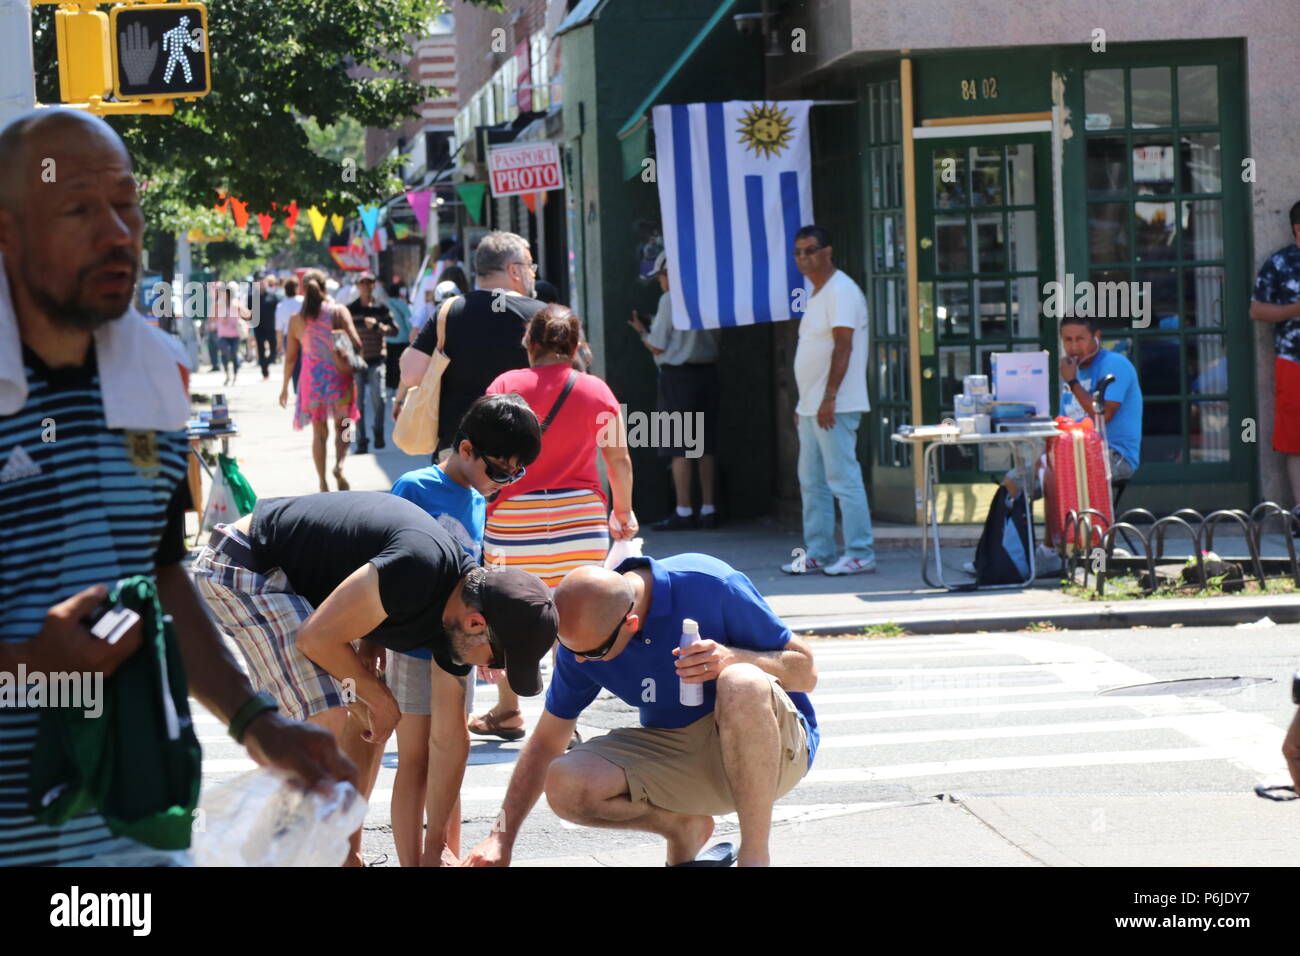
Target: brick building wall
(476,60)
(433,62)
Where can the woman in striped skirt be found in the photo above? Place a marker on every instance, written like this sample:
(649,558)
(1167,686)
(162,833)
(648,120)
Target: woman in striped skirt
(554,518)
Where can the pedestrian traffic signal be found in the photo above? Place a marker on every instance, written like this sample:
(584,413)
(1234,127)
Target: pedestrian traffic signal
(160,51)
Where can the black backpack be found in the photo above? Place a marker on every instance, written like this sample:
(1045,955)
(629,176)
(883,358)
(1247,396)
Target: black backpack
(1002,555)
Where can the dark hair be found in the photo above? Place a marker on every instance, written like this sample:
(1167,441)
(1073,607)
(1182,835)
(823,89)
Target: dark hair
(544,291)
(822,235)
(457,275)
(1295,215)
(555,329)
(290,287)
(313,292)
(501,426)
(1093,324)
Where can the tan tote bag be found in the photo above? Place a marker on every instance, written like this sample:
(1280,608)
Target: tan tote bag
(416,431)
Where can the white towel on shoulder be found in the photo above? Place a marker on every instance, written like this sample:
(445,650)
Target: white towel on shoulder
(138,370)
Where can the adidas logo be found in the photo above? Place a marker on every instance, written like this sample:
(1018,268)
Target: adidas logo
(19,466)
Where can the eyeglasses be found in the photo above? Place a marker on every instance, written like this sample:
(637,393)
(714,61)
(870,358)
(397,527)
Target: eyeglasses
(531,266)
(498,475)
(802,253)
(604,649)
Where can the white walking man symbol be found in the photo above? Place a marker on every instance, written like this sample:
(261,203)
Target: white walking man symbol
(174,44)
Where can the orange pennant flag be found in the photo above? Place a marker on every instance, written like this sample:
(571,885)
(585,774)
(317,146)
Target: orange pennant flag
(292,219)
(265,221)
(240,211)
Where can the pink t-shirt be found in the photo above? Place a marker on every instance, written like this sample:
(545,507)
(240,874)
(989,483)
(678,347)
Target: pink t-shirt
(227,319)
(568,458)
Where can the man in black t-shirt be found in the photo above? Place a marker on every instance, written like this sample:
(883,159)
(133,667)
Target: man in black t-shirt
(374,324)
(485,331)
(313,589)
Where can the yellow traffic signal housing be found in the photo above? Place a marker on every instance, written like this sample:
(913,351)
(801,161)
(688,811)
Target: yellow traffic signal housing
(84,64)
(160,51)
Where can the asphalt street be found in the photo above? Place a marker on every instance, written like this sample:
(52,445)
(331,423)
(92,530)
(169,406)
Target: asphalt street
(970,740)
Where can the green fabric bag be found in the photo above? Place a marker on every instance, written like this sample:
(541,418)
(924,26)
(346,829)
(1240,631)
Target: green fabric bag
(240,490)
(138,762)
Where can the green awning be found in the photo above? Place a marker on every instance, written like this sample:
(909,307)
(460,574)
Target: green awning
(634,137)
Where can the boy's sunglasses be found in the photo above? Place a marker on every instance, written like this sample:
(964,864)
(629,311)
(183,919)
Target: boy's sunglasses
(498,475)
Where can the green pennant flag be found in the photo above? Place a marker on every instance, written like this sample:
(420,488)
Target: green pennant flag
(471,194)
(401,230)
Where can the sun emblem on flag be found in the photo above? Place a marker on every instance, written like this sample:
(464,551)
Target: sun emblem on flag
(766,129)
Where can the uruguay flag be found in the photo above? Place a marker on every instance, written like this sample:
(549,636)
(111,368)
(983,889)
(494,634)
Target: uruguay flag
(734,187)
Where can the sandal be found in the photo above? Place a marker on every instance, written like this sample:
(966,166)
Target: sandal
(489,725)
(342,482)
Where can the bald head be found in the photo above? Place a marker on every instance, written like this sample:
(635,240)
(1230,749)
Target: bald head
(70,219)
(30,140)
(591,601)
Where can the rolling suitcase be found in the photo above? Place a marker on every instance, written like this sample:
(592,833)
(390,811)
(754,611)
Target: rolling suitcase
(1077,479)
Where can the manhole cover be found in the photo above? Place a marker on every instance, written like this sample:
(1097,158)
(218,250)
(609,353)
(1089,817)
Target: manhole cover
(1188,686)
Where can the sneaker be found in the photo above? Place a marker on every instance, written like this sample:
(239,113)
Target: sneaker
(379,442)
(847,565)
(1046,561)
(968,567)
(708,522)
(805,566)
(675,523)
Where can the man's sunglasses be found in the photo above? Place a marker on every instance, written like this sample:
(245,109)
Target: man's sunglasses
(801,253)
(498,475)
(604,649)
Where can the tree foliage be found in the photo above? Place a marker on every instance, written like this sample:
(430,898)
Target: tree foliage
(286,76)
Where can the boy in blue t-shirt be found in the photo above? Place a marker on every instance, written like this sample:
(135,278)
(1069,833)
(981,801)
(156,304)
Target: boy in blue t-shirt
(497,439)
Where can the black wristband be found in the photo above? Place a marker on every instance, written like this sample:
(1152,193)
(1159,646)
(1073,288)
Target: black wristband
(1072,382)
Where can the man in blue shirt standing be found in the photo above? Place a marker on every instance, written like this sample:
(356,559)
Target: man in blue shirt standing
(751,740)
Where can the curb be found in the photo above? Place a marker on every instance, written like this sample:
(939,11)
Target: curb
(1209,612)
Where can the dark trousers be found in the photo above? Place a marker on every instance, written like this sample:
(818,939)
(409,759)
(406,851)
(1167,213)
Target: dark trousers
(264,334)
(370,390)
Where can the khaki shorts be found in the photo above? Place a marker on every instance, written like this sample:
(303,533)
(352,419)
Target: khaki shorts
(681,770)
(411,681)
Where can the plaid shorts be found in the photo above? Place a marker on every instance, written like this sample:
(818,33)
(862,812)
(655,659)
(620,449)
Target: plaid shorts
(262,614)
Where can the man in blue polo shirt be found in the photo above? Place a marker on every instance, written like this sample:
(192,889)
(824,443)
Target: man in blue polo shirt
(753,738)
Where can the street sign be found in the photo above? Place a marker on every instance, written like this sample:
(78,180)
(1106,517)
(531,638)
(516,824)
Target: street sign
(530,168)
(160,51)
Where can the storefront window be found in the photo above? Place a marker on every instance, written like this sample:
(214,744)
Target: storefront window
(1154,180)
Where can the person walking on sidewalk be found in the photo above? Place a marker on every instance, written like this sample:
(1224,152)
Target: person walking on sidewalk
(374,323)
(552,518)
(108,500)
(290,306)
(228,317)
(749,741)
(325,392)
(830,372)
(264,329)
(398,342)
(485,331)
(688,392)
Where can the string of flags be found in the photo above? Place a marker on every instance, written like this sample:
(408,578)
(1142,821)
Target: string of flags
(373,219)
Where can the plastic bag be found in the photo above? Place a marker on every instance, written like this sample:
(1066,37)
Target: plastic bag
(241,492)
(261,819)
(221,507)
(620,551)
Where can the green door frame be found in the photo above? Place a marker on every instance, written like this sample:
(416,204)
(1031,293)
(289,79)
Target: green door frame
(932,332)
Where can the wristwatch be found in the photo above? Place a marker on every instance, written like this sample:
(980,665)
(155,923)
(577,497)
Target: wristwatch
(1295,688)
(1072,382)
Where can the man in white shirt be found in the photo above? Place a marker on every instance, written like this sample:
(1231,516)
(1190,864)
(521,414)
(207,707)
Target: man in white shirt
(289,306)
(830,372)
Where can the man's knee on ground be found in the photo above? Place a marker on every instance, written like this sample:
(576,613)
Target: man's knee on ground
(569,786)
(742,685)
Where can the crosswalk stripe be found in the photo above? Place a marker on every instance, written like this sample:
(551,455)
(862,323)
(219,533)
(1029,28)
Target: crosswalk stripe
(953,693)
(945,735)
(1082,703)
(941,768)
(936,672)
(890,656)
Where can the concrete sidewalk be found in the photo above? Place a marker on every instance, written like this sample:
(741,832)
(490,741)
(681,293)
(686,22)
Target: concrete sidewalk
(276,459)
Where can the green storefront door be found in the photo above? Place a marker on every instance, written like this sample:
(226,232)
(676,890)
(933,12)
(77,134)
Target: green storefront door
(984,227)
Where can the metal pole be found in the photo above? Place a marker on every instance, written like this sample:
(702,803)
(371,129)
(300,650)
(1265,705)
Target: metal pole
(17,69)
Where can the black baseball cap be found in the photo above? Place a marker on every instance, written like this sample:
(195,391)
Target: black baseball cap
(521,615)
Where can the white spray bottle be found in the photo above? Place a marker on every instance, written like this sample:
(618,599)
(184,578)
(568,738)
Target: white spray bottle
(690,695)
